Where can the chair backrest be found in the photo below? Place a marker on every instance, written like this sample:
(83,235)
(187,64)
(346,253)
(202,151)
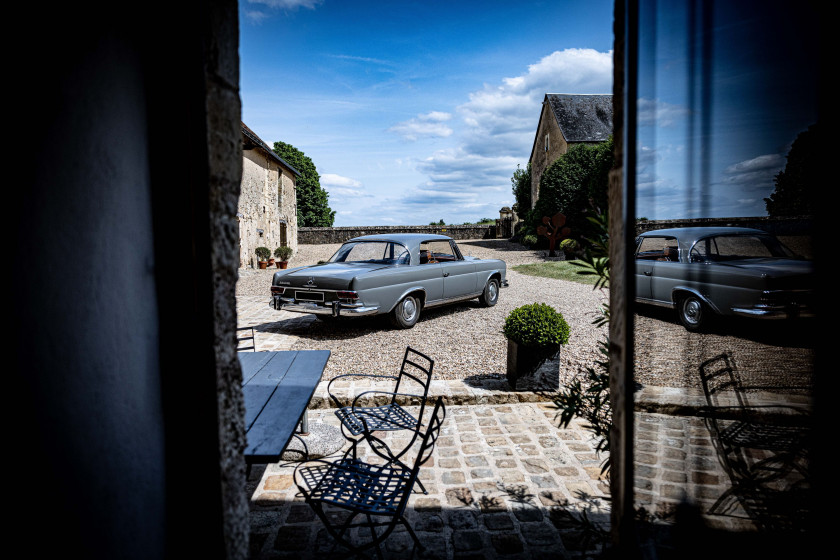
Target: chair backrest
(720,380)
(244,338)
(416,369)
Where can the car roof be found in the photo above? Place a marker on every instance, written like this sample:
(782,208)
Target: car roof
(689,233)
(411,241)
(404,238)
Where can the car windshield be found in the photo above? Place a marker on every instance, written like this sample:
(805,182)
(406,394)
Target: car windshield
(737,247)
(383,252)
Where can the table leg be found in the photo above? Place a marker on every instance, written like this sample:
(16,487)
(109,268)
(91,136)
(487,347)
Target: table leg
(304,424)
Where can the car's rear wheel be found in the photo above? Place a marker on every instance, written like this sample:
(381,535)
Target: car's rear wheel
(693,313)
(490,295)
(406,313)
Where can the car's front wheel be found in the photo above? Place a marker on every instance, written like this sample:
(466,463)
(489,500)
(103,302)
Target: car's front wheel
(490,295)
(693,313)
(406,313)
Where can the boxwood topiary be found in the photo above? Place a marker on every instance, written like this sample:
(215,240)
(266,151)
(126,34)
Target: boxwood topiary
(538,325)
(284,252)
(569,246)
(529,240)
(263,253)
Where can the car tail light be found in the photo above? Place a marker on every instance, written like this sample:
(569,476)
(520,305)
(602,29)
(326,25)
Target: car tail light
(346,294)
(277,290)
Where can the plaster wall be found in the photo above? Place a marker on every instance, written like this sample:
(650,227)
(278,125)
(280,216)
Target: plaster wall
(267,209)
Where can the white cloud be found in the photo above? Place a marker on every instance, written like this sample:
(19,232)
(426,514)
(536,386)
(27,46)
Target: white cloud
(337,185)
(428,125)
(288,4)
(654,112)
(333,180)
(758,171)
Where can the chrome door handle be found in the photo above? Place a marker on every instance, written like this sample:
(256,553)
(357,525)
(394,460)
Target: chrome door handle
(445,274)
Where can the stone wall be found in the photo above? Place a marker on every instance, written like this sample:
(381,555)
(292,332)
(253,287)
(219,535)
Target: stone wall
(318,235)
(545,150)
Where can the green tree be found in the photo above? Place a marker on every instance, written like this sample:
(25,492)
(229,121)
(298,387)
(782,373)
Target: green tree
(796,184)
(313,208)
(576,185)
(521,183)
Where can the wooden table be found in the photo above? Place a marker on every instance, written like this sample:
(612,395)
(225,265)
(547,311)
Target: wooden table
(277,387)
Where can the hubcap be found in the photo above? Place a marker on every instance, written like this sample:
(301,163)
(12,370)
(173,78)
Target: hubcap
(409,309)
(692,309)
(492,291)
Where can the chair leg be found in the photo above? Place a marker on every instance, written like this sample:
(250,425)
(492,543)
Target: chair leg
(417,543)
(374,538)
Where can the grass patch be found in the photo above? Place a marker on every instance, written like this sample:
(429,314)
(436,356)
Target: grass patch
(561,270)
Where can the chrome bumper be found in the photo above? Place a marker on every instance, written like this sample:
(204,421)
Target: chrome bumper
(336,308)
(774,312)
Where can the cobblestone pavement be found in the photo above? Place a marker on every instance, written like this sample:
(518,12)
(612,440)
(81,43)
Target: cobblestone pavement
(497,482)
(504,481)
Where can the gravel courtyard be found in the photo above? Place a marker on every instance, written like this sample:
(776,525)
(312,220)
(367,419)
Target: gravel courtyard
(465,340)
(467,343)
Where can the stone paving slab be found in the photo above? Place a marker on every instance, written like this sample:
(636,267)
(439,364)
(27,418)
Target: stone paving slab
(498,483)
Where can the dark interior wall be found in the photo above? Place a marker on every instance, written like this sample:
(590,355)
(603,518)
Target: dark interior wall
(117,316)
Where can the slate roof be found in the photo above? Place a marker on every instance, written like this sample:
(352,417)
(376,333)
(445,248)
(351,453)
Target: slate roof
(251,140)
(582,118)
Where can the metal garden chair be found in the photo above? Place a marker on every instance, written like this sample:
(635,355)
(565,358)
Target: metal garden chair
(764,457)
(411,384)
(247,337)
(378,492)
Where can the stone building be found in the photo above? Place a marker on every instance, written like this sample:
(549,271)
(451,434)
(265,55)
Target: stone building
(267,210)
(566,120)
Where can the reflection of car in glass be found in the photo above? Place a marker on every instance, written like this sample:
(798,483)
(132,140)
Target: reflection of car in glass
(398,274)
(706,271)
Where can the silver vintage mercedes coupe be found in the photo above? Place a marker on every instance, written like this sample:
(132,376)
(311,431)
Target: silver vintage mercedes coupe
(398,274)
(704,272)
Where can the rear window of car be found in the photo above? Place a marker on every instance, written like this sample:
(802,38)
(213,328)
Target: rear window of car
(658,249)
(737,247)
(383,252)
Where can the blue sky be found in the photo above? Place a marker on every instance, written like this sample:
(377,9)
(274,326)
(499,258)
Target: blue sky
(714,152)
(416,111)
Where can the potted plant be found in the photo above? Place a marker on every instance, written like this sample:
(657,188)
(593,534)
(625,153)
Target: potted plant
(263,254)
(283,254)
(535,333)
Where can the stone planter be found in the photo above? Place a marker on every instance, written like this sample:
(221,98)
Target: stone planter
(524,361)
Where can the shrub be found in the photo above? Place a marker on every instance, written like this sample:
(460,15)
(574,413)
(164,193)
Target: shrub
(569,246)
(536,324)
(529,240)
(263,253)
(283,252)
